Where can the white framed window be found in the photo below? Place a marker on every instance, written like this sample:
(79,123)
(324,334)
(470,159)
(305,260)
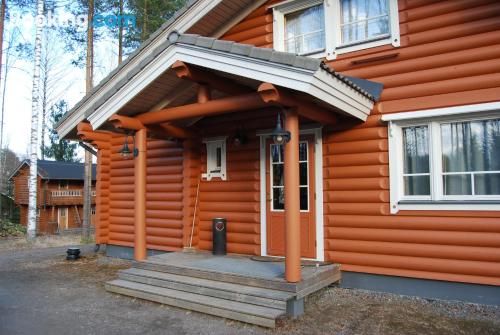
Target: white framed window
(216,158)
(445,162)
(326,28)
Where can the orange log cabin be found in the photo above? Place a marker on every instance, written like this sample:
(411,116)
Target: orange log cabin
(392,165)
(59,198)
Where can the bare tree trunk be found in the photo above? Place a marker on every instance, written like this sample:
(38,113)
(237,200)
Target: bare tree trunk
(3,7)
(120,34)
(87,182)
(87,213)
(32,185)
(44,114)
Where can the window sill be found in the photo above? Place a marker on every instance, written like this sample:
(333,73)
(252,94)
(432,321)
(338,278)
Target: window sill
(446,205)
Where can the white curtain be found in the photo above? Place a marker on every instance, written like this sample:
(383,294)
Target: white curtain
(471,147)
(364,19)
(416,160)
(305,30)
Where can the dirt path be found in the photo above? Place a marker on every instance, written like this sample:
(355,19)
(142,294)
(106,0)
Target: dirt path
(41,293)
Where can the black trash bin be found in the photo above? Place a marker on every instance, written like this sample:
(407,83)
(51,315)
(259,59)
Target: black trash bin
(219,236)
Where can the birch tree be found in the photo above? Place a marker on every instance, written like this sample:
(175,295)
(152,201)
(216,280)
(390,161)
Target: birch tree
(32,185)
(89,81)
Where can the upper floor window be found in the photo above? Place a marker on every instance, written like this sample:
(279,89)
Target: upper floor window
(325,28)
(445,161)
(364,20)
(305,30)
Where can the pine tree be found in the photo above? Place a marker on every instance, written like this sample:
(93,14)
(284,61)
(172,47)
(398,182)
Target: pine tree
(59,150)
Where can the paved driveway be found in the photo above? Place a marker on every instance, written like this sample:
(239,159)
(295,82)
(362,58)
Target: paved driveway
(41,293)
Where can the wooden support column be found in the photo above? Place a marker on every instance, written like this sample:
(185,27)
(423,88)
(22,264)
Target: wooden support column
(292,199)
(140,166)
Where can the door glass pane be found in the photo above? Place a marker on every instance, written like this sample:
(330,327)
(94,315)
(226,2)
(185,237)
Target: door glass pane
(416,149)
(303,151)
(305,30)
(278,176)
(278,198)
(303,174)
(417,185)
(487,183)
(276,153)
(471,146)
(304,199)
(364,19)
(457,184)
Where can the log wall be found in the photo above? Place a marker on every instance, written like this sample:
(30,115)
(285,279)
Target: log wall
(237,198)
(163,200)
(449,56)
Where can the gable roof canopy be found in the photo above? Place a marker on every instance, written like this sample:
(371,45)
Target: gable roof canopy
(54,170)
(252,65)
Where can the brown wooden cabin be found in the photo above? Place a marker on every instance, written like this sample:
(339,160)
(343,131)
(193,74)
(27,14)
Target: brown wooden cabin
(59,197)
(399,185)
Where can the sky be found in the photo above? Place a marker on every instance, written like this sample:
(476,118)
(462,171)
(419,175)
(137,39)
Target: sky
(18,90)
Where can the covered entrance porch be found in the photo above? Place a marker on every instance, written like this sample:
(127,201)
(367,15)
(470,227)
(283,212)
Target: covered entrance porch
(216,104)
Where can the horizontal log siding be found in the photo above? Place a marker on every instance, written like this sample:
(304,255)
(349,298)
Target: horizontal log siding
(449,56)
(163,198)
(237,198)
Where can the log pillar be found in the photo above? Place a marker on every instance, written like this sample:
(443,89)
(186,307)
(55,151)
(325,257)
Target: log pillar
(292,199)
(140,166)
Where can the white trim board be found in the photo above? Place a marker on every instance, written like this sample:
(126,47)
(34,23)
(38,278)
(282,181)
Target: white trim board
(318,172)
(315,83)
(440,112)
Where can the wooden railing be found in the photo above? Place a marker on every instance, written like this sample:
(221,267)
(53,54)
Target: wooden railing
(69,193)
(65,197)
(66,193)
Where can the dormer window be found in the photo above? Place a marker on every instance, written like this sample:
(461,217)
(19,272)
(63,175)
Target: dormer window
(325,28)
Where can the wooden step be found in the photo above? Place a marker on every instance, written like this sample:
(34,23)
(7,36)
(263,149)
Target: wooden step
(235,292)
(329,273)
(249,313)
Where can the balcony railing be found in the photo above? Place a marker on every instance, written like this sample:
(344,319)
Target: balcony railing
(69,193)
(66,193)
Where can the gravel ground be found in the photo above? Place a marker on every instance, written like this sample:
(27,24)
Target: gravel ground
(41,293)
(11,243)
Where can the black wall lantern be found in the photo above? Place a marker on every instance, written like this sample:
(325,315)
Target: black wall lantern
(239,138)
(279,135)
(125,151)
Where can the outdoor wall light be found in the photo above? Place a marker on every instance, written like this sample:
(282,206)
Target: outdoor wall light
(125,151)
(239,138)
(279,135)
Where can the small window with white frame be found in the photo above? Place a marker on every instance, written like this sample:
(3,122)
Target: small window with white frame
(325,28)
(446,162)
(216,158)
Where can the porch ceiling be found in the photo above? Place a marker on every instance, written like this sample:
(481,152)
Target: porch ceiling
(154,85)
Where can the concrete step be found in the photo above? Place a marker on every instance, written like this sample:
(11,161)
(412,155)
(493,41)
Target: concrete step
(329,273)
(230,291)
(249,313)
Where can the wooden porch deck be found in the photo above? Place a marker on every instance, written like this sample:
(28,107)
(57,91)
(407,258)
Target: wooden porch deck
(243,288)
